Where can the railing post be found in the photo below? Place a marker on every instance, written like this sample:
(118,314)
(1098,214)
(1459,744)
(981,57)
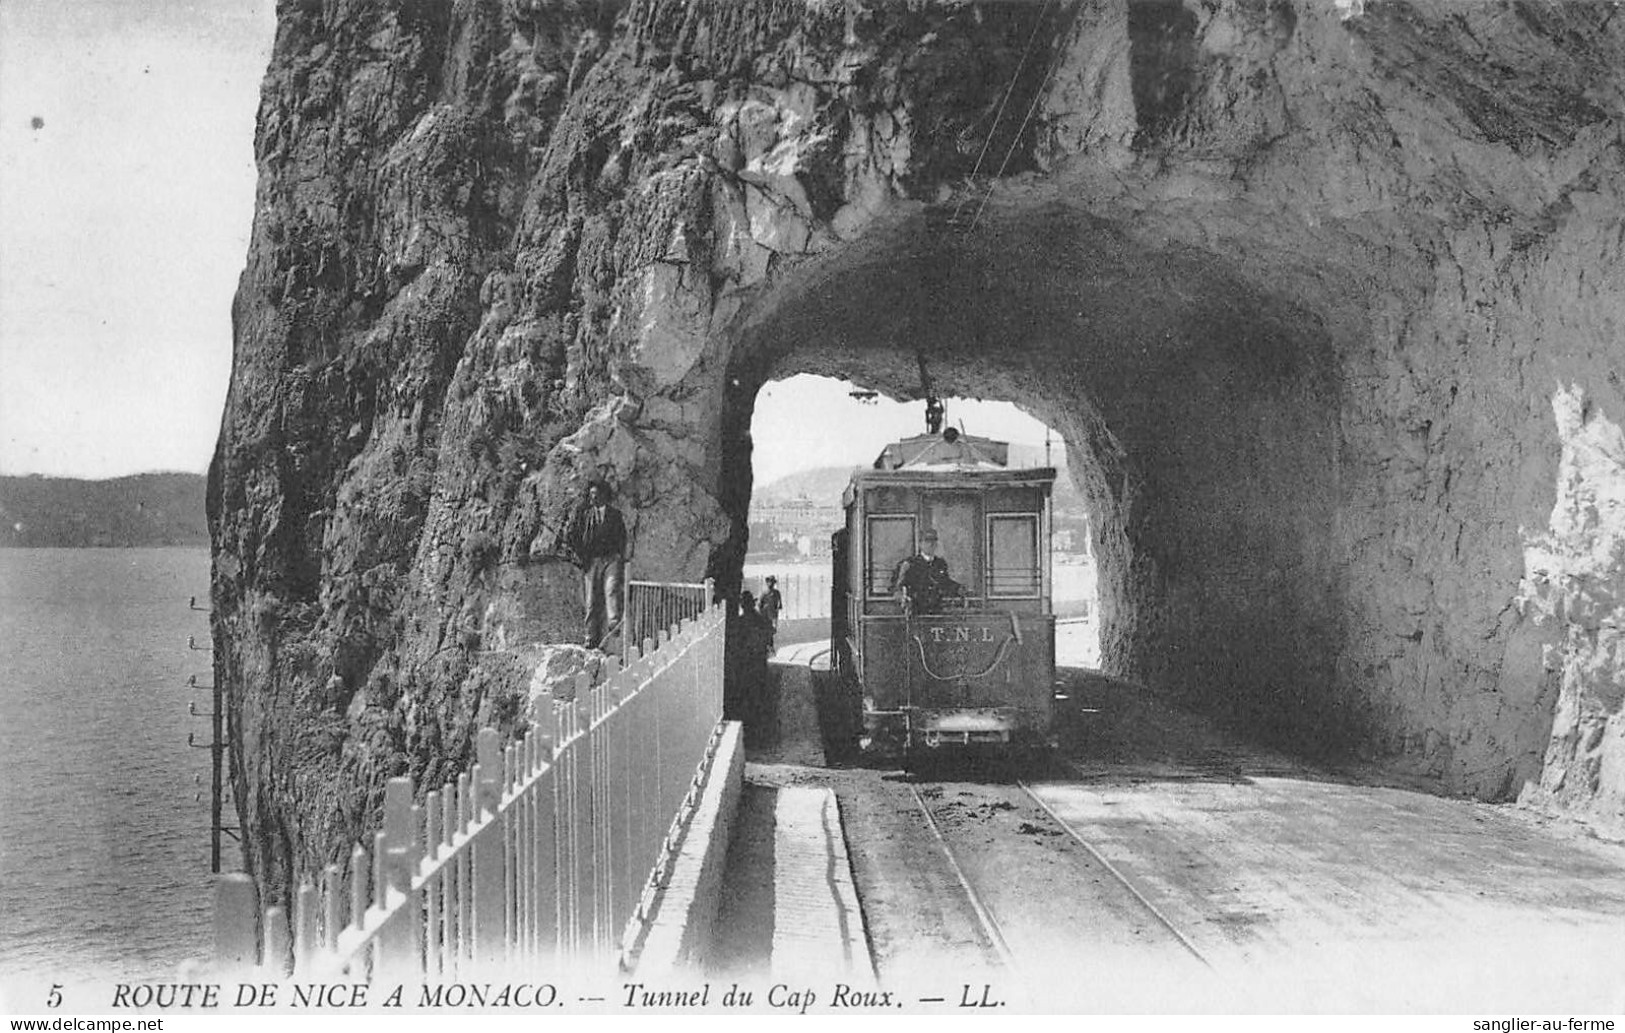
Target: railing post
(236,922)
(461,819)
(565,826)
(332,906)
(640,747)
(276,957)
(524,880)
(586,819)
(358,887)
(699,703)
(621,814)
(434,905)
(490,927)
(400,941)
(547,844)
(604,855)
(306,932)
(652,715)
(626,606)
(512,823)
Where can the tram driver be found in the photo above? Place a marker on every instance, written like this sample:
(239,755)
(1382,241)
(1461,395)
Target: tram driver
(921,582)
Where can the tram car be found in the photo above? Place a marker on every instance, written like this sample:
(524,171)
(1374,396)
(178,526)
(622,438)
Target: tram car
(944,667)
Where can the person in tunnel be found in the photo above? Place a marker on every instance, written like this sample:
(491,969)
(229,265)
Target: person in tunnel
(922,582)
(597,538)
(769,606)
(745,678)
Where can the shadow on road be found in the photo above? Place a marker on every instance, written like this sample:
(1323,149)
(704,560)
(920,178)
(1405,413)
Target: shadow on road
(1107,731)
(1113,731)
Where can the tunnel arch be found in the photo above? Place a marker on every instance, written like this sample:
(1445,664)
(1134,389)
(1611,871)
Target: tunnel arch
(1199,412)
(1320,295)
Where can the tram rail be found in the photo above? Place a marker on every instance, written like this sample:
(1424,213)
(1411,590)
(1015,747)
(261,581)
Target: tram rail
(994,926)
(984,916)
(1121,879)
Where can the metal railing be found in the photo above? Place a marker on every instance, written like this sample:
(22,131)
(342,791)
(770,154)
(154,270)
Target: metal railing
(550,850)
(806,595)
(1017,580)
(653,605)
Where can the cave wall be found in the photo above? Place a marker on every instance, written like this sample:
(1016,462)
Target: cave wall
(1323,296)
(491,246)
(1434,185)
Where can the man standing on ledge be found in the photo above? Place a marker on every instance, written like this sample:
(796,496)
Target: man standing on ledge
(597,536)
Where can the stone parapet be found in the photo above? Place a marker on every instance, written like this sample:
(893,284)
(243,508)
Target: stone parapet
(677,934)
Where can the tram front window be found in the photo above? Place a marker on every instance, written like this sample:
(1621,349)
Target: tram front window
(891,541)
(954,517)
(1012,555)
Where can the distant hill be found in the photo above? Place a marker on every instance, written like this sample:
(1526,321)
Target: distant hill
(822,484)
(143,510)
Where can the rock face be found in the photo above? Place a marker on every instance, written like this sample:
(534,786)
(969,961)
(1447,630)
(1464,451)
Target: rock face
(1324,297)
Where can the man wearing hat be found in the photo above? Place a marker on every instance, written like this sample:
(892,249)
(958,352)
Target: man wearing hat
(769,606)
(922,581)
(597,537)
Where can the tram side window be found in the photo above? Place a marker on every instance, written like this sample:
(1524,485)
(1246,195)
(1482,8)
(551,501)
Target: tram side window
(891,541)
(1012,555)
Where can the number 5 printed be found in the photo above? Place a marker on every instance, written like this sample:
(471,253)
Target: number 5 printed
(54,998)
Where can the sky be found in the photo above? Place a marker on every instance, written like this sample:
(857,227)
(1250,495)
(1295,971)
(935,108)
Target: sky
(851,433)
(126,197)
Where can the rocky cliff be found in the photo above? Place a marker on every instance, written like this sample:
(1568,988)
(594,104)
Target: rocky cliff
(1324,297)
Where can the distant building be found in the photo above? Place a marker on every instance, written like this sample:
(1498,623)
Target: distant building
(799,512)
(800,524)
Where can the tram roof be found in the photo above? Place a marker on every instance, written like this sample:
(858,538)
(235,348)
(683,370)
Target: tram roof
(934,457)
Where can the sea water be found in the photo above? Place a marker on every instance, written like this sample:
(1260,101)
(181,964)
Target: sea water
(104,845)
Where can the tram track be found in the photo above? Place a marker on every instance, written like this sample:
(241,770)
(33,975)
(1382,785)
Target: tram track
(999,947)
(1041,894)
(1116,874)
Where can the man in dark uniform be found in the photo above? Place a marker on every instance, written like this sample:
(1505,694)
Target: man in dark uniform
(922,582)
(597,536)
(769,606)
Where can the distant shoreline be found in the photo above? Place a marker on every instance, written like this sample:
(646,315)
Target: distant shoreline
(147,510)
(116,545)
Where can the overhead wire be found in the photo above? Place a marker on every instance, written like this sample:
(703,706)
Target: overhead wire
(1038,94)
(1009,90)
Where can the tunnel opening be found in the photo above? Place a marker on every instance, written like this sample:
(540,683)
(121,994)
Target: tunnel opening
(1197,411)
(809,433)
